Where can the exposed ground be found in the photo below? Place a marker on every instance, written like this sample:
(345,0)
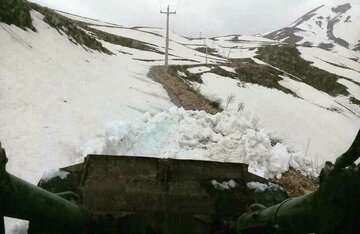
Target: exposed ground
(297,184)
(182,94)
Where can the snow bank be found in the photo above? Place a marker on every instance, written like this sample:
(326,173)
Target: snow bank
(228,69)
(260,187)
(226,185)
(54,173)
(303,124)
(181,134)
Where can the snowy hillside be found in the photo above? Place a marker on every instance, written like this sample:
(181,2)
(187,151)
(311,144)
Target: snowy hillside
(70,85)
(334,28)
(61,84)
(56,93)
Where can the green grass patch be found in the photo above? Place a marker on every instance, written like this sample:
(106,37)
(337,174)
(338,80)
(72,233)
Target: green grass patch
(16,12)
(262,75)
(69,27)
(123,41)
(354,101)
(221,72)
(203,50)
(173,70)
(288,59)
(78,33)
(250,72)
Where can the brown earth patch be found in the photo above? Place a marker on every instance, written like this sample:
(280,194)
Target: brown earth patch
(296,184)
(182,94)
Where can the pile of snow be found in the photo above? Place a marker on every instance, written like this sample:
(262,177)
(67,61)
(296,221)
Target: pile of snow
(181,134)
(53,173)
(261,187)
(226,185)
(316,125)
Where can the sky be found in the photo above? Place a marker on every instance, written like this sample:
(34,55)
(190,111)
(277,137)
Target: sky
(208,17)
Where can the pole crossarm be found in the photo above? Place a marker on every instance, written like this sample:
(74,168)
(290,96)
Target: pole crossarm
(170,13)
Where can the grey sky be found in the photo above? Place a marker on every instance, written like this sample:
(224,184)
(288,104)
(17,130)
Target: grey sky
(211,17)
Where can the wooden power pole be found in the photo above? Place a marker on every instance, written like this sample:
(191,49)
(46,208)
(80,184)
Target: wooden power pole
(168,13)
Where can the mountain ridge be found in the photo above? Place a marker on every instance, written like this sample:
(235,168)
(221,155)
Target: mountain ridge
(327,26)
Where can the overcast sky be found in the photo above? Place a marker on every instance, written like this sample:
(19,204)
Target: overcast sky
(211,17)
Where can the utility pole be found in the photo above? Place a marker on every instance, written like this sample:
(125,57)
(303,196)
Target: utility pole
(168,13)
(206,50)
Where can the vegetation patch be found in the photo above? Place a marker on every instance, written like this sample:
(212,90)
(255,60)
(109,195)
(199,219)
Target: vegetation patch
(261,75)
(123,41)
(249,72)
(78,33)
(16,12)
(203,50)
(221,72)
(242,60)
(173,71)
(354,101)
(246,71)
(288,59)
(70,28)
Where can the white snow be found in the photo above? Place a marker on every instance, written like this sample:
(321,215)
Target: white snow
(225,137)
(323,59)
(349,28)
(228,69)
(261,187)
(315,30)
(310,94)
(226,185)
(53,173)
(352,88)
(56,96)
(86,19)
(198,69)
(304,125)
(177,50)
(245,47)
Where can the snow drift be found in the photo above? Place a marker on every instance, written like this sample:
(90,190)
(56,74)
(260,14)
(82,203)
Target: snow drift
(181,134)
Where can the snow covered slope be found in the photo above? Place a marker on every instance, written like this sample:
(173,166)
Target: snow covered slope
(334,28)
(58,91)
(55,94)
(63,83)
(232,46)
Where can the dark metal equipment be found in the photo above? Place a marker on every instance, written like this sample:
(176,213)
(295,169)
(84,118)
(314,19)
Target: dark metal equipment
(47,211)
(333,208)
(122,194)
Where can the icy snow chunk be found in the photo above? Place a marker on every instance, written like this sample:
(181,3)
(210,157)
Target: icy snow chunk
(197,70)
(228,69)
(54,173)
(226,185)
(261,187)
